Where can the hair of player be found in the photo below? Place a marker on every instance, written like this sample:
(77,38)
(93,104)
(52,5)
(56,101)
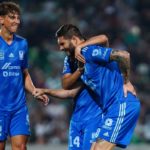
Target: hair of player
(68,30)
(9,7)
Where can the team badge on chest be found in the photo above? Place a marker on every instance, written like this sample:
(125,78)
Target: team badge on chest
(21,55)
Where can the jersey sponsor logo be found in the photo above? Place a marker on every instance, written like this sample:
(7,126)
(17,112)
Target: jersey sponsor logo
(1,55)
(8,66)
(96,52)
(10,74)
(11,55)
(21,55)
(108,122)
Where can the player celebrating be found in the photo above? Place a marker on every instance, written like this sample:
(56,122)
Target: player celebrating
(84,122)
(14,76)
(103,76)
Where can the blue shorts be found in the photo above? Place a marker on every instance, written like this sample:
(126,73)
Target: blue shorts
(119,121)
(81,134)
(14,123)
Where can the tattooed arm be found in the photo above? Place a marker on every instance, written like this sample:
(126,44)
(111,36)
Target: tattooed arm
(123,59)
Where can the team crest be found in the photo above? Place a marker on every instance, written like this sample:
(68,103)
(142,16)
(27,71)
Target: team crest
(21,55)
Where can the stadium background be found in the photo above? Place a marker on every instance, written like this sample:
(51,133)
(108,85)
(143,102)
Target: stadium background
(125,22)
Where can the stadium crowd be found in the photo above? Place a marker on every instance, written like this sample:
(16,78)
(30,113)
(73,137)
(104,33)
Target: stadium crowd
(126,23)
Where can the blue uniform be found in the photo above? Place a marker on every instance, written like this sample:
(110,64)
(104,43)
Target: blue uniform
(105,79)
(85,118)
(13,60)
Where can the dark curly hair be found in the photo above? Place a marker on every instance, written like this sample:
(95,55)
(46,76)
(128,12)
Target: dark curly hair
(69,30)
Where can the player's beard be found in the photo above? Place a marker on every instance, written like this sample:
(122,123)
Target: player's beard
(71,49)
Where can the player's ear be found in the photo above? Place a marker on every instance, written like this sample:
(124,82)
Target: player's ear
(1,20)
(74,40)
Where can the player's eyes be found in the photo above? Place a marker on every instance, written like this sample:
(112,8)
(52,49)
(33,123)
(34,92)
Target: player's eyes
(11,17)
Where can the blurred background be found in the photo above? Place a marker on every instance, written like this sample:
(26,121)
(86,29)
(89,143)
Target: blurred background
(125,22)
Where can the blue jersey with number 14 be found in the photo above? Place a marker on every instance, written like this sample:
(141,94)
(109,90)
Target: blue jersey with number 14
(13,60)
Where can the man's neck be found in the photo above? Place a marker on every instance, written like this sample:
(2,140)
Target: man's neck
(7,36)
(79,41)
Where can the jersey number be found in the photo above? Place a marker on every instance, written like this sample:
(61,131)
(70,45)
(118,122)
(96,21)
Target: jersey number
(75,141)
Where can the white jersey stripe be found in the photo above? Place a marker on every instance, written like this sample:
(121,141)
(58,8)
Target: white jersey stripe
(120,109)
(122,119)
(119,124)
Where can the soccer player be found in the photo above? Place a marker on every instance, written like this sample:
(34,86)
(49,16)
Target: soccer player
(14,79)
(84,122)
(106,73)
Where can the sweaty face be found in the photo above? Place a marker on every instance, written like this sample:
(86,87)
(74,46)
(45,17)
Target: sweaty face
(11,22)
(66,45)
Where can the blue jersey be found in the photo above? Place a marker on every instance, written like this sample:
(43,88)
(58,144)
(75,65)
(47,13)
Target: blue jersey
(85,107)
(120,113)
(102,76)
(13,60)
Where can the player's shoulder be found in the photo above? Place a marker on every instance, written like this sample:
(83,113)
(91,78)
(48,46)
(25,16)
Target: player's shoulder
(89,47)
(20,38)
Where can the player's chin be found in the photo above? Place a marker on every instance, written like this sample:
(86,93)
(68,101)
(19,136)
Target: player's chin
(13,29)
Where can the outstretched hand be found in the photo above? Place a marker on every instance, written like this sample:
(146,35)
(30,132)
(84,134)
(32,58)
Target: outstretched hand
(78,54)
(38,92)
(40,95)
(128,87)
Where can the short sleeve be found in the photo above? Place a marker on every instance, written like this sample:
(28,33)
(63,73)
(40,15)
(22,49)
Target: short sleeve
(97,54)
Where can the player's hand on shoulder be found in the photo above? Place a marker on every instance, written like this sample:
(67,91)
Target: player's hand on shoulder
(128,87)
(78,54)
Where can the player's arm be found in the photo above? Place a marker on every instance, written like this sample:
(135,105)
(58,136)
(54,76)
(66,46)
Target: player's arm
(28,84)
(58,93)
(123,59)
(120,56)
(100,39)
(69,80)
(105,55)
